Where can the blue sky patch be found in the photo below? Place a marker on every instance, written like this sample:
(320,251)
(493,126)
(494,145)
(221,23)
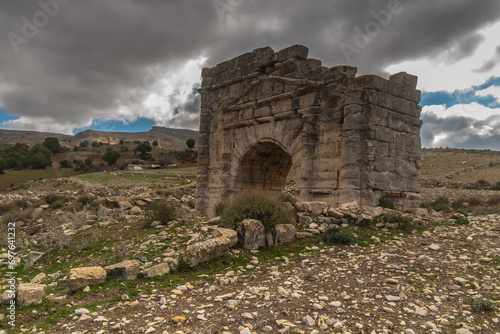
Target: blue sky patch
(462,96)
(4,117)
(141,124)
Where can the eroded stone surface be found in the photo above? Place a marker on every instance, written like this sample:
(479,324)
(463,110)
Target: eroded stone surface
(347,138)
(29,293)
(251,234)
(207,250)
(80,277)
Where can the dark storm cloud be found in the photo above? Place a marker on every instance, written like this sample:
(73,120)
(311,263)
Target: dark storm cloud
(460,132)
(90,54)
(490,64)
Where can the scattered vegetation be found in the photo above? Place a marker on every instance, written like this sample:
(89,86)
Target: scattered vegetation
(255,206)
(440,204)
(462,221)
(160,210)
(288,198)
(479,304)
(398,220)
(335,236)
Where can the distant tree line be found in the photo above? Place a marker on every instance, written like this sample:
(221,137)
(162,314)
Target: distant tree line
(21,156)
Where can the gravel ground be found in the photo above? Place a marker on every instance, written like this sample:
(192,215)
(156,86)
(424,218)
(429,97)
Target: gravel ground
(420,284)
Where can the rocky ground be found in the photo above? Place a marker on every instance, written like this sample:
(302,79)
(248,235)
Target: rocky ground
(436,273)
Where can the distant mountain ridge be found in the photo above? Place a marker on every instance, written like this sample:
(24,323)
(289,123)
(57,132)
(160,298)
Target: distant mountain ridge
(167,138)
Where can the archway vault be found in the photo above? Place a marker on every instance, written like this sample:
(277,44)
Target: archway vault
(347,138)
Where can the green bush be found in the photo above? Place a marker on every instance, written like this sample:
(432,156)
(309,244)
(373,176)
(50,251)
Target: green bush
(471,201)
(52,198)
(288,198)
(335,236)
(462,221)
(481,304)
(270,212)
(403,222)
(386,203)
(219,208)
(160,210)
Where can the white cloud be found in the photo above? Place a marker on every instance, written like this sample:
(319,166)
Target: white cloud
(42,124)
(436,74)
(492,90)
(473,110)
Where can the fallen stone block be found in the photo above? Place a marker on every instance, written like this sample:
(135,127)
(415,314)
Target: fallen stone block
(32,258)
(207,250)
(79,277)
(158,270)
(251,234)
(29,294)
(127,270)
(231,234)
(285,233)
(315,208)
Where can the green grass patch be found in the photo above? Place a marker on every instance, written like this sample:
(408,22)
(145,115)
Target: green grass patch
(336,236)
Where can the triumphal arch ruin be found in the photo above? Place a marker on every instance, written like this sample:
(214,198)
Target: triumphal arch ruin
(346,138)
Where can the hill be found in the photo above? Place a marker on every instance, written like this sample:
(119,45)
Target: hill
(173,139)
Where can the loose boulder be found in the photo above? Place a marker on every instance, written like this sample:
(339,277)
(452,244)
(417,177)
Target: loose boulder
(32,258)
(158,270)
(231,234)
(127,270)
(285,233)
(251,234)
(29,294)
(207,250)
(79,277)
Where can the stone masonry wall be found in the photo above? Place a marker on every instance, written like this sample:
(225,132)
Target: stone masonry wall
(347,138)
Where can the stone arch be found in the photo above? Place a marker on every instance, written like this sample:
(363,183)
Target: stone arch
(348,138)
(263,168)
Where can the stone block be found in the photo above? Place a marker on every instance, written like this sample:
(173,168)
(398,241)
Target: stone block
(127,270)
(80,277)
(251,234)
(32,258)
(315,209)
(404,78)
(296,51)
(284,233)
(231,234)
(207,250)
(158,270)
(29,294)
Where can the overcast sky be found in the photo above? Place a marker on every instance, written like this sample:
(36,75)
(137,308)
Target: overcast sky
(68,65)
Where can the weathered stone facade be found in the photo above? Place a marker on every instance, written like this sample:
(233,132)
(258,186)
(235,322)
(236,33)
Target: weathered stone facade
(347,138)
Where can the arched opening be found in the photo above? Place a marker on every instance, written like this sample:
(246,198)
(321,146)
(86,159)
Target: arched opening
(264,168)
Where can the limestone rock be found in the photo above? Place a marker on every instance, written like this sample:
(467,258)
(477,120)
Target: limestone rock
(315,208)
(158,270)
(32,258)
(231,234)
(207,250)
(79,277)
(7,296)
(285,233)
(29,294)
(251,234)
(127,270)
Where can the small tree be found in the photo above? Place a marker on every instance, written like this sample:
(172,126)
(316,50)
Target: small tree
(53,145)
(111,157)
(190,143)
(144,148)
(40,161)
(155,143)
(3,165)
(84,143)
(95,143)
(122,142)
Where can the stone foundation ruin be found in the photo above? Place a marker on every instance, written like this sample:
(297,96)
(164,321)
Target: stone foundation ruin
(346,138)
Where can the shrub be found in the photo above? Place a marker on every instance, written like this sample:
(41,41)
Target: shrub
(403,222)
(495,200)
(471,201)
(288,198)
(496,186)
(386,203)
(335,236)
(255,206)
(462,221)
(52,198)
(219,208)
(160,210)
(481,304)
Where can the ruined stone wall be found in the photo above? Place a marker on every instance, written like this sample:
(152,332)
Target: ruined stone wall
(347,138)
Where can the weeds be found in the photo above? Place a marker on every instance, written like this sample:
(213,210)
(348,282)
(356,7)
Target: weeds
(440,204)
(462,221)
(403,222)
(479,304)
(160,210)
(254,206)
(335,236)
(288,198)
